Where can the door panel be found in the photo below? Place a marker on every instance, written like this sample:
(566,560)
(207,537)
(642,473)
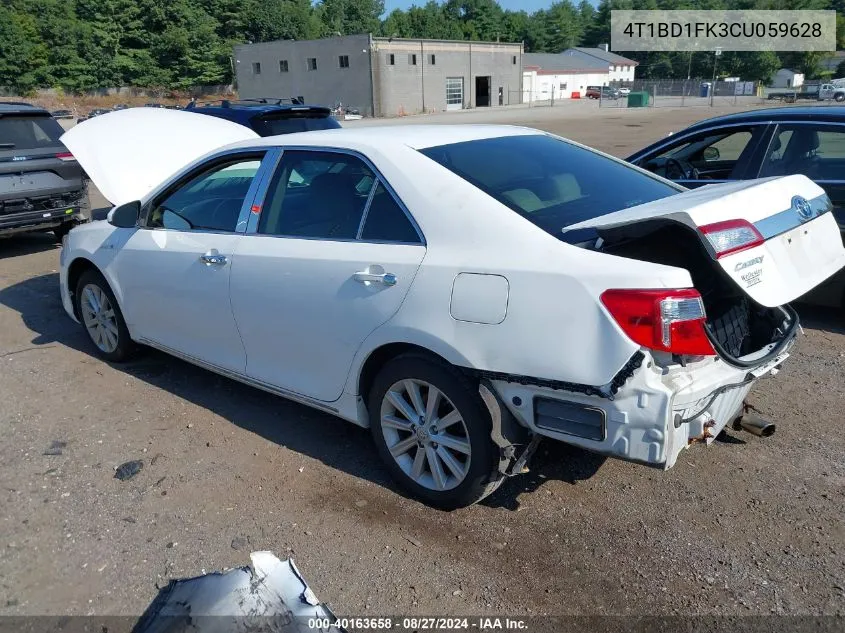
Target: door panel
(303,314)
(174,299)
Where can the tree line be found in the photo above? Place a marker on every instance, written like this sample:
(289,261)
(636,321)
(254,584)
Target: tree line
(80,45)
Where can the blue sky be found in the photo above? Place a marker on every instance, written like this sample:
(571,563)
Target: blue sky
(527,5)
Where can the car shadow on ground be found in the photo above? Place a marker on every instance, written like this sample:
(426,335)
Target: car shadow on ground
(336,443)
(27,244)
(823,319)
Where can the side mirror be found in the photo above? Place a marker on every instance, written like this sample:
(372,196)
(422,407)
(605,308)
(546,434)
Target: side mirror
(126,215)
(710,153)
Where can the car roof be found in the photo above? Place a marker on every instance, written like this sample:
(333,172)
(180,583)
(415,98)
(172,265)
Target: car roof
(795,113)
(19,107)
(245,110)
(414,136)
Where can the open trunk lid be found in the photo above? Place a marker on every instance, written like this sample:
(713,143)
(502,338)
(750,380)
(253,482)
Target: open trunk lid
(127,153)
(801,245)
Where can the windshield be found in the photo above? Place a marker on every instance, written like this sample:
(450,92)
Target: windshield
(548,181)
(287,124)
(29,132)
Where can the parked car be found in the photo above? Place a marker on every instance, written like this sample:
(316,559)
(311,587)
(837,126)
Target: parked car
(624,92)
(461,290)
(42,187)
(61,114)
(153,105)
(601,92)
(269,117)
(93,113)
(760,144)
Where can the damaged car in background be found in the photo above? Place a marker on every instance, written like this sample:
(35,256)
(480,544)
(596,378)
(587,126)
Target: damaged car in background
(463,291)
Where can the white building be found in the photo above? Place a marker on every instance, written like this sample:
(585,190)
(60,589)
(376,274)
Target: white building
(619,69)
(786,78)
(547,76)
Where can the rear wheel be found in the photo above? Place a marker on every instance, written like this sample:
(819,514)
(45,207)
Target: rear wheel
(433,432)
(839,96)
(101,317)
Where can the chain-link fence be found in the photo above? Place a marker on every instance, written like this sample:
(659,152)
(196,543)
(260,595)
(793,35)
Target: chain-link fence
(680,93)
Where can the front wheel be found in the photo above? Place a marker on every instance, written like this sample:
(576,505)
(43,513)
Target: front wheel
(839,97)
(433,432)
(101,317)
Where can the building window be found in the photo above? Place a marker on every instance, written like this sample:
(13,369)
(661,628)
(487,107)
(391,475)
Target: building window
(256,68)
(431,59)
(514,60)
(563,86)
(283,65)
(412,59)
(343,61)
(391,59)
(312,63)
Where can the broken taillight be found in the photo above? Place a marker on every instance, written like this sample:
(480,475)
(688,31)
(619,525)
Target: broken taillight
(731,236)
(65,156)
(663,320)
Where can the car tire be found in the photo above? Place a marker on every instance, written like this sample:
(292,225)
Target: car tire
(458,478)
(839,97)
(101,317)
(63,229)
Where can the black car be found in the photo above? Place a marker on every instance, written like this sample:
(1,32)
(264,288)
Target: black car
(807,140)
(42,187)
(270,117)
(93,113)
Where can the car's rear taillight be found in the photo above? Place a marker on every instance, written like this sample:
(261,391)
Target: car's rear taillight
(731,236)
(65,156)
(663,320)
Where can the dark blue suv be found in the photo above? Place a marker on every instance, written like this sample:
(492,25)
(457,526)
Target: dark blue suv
(269,117)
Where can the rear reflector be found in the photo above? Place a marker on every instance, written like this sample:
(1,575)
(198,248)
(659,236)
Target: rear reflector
(65,156)
(731,236)
(663,320)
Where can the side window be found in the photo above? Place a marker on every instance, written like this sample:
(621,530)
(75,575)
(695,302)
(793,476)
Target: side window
(317,194)
(210,200)
(386,221)
(817,152)
(716,154)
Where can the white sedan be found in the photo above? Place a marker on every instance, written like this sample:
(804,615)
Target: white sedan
(461,290)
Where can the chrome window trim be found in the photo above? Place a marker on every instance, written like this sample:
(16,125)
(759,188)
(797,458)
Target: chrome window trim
(788,219)
(369,202)
(197,165)
(253,230)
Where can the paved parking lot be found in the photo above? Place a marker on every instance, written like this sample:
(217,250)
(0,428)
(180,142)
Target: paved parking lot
(745,526)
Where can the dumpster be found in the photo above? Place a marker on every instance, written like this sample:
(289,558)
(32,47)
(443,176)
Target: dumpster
(704,89)
(638,99)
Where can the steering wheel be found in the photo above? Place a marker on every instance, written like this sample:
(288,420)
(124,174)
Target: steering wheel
(676,169)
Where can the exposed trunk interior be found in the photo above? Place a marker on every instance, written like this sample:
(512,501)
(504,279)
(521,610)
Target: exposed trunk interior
(736,324)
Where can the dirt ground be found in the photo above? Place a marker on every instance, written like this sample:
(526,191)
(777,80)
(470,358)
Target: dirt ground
(745,526)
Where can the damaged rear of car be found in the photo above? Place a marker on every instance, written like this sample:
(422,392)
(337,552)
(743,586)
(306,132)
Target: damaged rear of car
(749,249)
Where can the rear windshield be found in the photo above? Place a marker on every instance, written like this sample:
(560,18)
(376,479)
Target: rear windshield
(29,132)
(550,182)
(268,125)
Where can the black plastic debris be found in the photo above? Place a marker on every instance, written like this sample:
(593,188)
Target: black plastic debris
(55,448)
(128,470)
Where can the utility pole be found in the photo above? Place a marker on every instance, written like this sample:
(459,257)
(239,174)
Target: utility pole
(716,54)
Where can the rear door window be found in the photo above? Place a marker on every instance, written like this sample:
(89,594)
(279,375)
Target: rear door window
(548,181)
(29,132)
(317,194)
(816,151)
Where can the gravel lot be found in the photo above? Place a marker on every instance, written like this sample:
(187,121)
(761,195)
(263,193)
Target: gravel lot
(745,526)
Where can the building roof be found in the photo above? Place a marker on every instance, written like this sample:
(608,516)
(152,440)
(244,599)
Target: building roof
(602,55)
(546,63)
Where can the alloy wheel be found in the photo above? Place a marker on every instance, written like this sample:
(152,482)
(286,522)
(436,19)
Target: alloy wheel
(425,434)
(99,318)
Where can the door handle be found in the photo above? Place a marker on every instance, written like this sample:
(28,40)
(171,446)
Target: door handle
(367,278)
(213,258)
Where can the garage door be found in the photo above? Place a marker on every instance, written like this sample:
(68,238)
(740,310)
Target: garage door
(454,93)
